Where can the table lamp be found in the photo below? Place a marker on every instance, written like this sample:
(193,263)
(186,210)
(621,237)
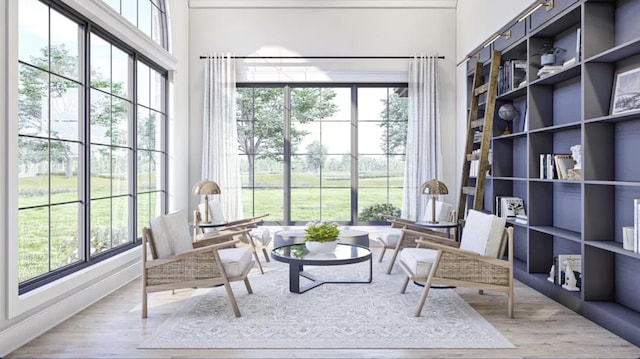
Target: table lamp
(434,188)
(205,188)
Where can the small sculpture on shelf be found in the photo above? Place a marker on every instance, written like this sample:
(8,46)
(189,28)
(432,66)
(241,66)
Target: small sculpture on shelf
(576,154)
(507,113)
(570,280)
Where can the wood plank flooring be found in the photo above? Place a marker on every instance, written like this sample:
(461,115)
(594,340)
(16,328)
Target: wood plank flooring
(541,328)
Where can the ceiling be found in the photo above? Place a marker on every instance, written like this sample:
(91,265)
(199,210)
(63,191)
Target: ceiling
(398,4)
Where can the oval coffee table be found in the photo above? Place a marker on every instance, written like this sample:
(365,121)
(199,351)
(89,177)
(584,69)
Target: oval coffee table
(298,256)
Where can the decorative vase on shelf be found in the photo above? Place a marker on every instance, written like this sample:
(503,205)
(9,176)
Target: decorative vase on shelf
(321,237)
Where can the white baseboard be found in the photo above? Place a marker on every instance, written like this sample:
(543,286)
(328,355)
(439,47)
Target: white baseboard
(28,329)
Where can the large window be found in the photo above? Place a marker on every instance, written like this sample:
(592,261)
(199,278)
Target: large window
(330,152)
(148,15)
(86,125)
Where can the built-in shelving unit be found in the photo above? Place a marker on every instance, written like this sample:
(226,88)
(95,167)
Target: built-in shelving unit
(568,107)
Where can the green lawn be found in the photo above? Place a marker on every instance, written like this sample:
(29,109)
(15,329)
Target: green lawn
(49,235)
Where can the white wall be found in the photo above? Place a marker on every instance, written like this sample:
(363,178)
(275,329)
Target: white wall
(22,318)
(323,32)
(179,185)
(476,22)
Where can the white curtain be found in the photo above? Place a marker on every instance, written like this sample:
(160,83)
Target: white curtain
(220,161)
(424,154)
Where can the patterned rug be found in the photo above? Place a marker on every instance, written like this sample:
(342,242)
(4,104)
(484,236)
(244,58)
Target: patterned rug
(372,315)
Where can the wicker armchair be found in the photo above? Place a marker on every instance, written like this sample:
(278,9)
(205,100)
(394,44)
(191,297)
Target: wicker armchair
(393,238)
(178,263)
(257,239)
(477,261)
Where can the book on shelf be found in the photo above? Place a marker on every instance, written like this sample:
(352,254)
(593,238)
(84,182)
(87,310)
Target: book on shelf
(522,218)
(518,73)
(563,163)
(547,70)
(550,167)
(636,225)
(510,207)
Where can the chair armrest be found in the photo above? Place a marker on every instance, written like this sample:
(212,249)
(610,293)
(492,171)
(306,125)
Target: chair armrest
(224,238)
(252,220)
(188,254)
(431,236)
(464,253)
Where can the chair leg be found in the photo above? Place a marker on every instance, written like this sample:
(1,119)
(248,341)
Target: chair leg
(266,254)
(144,303)
(480,291)
(510,301)
(404,285)
(393,260)
(384,249)
(423,297)
(255,255)
(232,299)
(248,285)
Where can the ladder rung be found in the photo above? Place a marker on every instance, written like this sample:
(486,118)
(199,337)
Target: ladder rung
(469,190)
(481,89)
(477,123)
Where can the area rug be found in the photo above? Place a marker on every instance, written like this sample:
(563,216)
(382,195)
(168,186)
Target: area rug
(374,315)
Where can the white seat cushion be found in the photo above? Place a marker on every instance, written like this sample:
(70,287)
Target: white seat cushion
(389,236)
(262,235)
(171,234)
(235,260)
(215,212)
(418,260)
(482,233)
(443,211)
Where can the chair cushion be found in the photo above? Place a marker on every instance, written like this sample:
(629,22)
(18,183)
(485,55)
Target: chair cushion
(389,236)
(171,234)
(215,212)
(443,211)
(482,233)
(418,260)
(261,234)
(235,260)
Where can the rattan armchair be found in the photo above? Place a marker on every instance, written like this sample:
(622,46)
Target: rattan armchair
(176,262)
(257,238)
(477,261)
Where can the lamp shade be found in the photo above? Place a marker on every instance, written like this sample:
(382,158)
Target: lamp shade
(206,187)
(434,187)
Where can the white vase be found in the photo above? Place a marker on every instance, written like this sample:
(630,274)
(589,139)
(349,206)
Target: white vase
(321,247)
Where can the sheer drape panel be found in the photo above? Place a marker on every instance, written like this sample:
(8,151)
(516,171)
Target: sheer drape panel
(424,153)
(220,160)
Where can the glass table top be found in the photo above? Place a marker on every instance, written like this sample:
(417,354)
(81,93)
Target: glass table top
(342,252)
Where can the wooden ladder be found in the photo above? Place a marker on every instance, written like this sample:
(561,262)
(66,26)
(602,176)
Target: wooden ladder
(480,87)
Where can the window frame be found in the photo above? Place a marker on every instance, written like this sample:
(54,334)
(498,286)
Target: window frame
(84,171)
(288,154)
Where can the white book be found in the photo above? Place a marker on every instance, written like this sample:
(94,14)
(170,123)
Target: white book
(543,166)
(550,166)
(636,225)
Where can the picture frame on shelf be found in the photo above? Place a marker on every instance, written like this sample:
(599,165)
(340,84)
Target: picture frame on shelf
(626,91)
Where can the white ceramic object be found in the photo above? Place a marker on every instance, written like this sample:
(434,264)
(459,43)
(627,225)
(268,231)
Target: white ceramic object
(628,238)
(321,247)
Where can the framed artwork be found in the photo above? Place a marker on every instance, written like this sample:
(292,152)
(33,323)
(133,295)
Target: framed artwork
(626,91)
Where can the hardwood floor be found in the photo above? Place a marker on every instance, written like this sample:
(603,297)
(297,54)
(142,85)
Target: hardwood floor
(541,328)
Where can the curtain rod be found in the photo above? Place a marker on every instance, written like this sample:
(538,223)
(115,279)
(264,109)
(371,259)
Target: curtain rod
(323,57)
